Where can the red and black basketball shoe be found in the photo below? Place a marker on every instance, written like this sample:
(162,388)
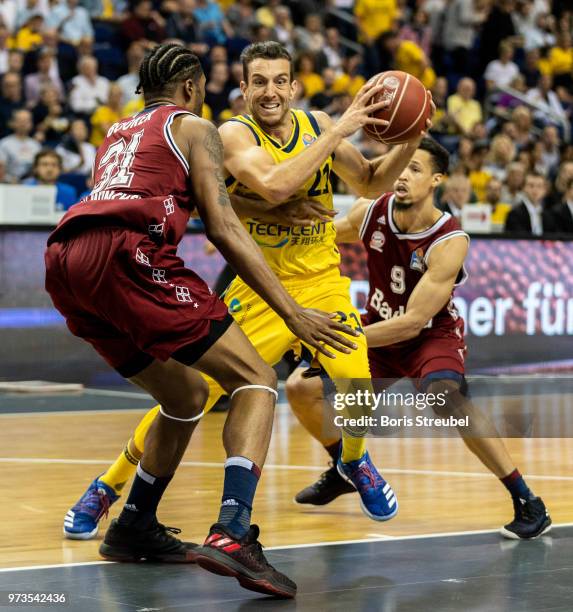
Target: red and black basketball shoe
(243,559)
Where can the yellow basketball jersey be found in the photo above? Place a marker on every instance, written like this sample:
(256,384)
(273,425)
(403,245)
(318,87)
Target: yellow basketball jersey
(293,250)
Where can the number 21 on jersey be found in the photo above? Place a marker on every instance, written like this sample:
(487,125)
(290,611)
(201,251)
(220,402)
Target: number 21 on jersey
(116,163)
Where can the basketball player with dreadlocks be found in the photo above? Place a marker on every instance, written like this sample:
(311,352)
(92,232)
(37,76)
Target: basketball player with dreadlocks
(113,272)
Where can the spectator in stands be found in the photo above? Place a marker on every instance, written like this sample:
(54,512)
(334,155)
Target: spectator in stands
(241,17)
(182,25)
(550,150)
(350,81)
(479,176)
(218,53)
(284,27)
(310,37)
(529,217)
(218,88)
(561,216)
(306,74)
(50,122)
(15,61)
(129,81)
(261,33)
(502,71)
(72,21)
(499,209)
(142,24)
(89,89)
(300,100)
(107,10)
(11,99)
(4,49)
(512,187)
(550,109)
(418,31)
(374,18)
(535,28)
(560,60)
(497,27)
(457,194)
(30,36)
(35,82)
(502,152)
(557,193)
(523,121)
(213,26)
(237,105)
(334,51)
(19,148)
(106,115)
(510,100)
(236,74)
(405,55)
(440,120)
(78,155)
(265,14)
(530,68)
(461,20)
(323,99)
(28,9)
(462,159)
(47,169)
(8,13)
(463,109)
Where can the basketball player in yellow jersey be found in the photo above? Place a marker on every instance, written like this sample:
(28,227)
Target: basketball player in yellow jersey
(277,154)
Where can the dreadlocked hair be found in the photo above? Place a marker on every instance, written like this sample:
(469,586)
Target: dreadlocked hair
(166,65)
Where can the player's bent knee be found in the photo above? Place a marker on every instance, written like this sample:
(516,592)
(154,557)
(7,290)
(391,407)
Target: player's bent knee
(261,374)
(295,385)
(188,407)
(450,393)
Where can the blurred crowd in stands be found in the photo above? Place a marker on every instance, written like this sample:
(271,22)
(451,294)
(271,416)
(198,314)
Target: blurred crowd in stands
(500,71)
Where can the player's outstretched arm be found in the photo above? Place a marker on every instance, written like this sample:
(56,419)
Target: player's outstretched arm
(348,227)
(276,183)
(428,298)
(225,231)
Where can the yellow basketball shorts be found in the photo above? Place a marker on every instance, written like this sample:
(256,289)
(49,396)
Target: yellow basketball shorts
(272,338)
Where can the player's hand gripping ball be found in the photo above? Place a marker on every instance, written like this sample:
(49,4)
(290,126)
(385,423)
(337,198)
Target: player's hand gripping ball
(410,107)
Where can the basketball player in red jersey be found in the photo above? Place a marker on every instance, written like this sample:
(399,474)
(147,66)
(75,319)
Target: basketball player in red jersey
(416,259)
(113,272)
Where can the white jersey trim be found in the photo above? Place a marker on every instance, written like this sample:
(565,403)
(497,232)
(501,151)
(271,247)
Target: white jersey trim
(415,235)
(171,141)
(366,219)
(443,238)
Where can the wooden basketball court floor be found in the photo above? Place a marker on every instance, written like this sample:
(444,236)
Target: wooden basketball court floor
(441,552)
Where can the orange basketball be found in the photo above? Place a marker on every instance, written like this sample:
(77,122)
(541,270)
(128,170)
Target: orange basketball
(409,107)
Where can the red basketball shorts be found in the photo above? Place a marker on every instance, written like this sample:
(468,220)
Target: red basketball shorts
(435,350)
(131,298)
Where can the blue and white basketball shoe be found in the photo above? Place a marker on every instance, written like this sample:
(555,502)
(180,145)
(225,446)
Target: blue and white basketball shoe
(377,499)
(81,522)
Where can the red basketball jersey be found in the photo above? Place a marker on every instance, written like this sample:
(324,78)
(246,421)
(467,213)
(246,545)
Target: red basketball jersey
(141,180)
(397,261)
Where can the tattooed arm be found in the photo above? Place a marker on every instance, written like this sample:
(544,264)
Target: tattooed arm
(224,230)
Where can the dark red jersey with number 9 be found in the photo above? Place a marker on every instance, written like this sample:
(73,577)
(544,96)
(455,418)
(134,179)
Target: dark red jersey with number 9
(396,263)
(141,180)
